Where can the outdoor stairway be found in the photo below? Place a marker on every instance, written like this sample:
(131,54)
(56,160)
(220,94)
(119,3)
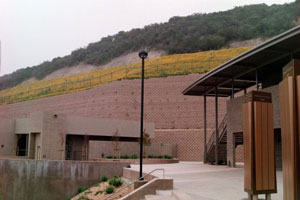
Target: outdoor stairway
(222,144)
(168,195)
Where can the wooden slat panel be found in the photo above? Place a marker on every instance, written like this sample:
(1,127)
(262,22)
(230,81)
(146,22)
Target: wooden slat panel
(264,146)
(298,136)
(287,131)
(283,97)
(291,137)
(272,175)
(258,145)
(247,134)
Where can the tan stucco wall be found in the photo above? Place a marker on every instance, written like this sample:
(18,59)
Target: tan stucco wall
(48,130)
(7,137)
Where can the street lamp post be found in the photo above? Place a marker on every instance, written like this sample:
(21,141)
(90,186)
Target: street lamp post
(142,54)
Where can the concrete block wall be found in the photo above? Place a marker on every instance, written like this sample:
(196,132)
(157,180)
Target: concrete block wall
(164,105)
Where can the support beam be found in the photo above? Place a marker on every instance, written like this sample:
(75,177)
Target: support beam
(216,128)
(244,80)
(256,78)
(205,132)
(248,71)
(232,89)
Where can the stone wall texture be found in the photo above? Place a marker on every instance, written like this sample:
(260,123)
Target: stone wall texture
(178,119)
(51,180)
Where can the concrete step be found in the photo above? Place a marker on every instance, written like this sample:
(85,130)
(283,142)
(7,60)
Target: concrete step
(180,195)
(159,197)
(164,192)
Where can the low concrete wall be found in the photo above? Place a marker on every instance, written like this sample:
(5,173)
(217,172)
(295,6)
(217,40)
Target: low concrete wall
(145,161)
(51,180)
(134,175)
(97,148)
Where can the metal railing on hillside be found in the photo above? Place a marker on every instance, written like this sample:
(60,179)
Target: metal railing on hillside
(132,71)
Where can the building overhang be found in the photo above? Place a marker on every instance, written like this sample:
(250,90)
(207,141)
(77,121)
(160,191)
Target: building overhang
(242,71)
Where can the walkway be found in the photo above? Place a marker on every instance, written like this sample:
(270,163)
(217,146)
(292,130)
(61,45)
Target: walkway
(207,182)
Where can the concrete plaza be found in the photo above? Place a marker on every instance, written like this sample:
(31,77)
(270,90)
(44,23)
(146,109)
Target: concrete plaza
(208,182)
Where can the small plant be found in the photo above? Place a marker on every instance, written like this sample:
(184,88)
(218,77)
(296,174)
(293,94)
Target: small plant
(88,192)
(99,192)
(109,157)
(116,181)
(103,178)
(83,198)
(109,189)
(96,185)
(102,155)
(81,189)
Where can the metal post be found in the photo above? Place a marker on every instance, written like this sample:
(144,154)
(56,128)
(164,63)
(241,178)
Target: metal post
(232,89)
(142,121)
(216,131)
(205,133)
(256,77)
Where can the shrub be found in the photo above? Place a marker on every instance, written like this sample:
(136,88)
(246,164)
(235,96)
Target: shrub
(109,157)
(103,178)
(150,156)
(98,192)
(160,157)
(81,189)
(168,157)
(116,181)
(102,155)
(133,156)
(124,157)
(109,189)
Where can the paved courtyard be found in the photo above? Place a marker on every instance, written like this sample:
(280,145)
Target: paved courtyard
(207,182)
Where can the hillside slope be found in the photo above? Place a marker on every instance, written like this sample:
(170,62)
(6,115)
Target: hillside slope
(179,64)
(198,32)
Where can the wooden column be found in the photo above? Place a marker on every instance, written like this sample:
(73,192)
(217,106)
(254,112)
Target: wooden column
(289,96)
(205,132)
(259,154)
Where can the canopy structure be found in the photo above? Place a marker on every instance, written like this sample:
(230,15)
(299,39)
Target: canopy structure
(261,65)
(249,68)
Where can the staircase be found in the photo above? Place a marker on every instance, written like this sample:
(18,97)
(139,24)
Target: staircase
(222,144)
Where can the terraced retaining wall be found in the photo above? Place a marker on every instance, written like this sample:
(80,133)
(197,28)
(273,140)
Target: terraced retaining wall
(178,119)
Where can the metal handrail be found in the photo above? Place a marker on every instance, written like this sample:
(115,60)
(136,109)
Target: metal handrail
(141,178)
(222,126)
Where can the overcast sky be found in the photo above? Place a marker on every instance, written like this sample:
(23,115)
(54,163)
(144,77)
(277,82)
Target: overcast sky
(33,31)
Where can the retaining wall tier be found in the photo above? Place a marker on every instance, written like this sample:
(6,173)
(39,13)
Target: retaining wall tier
(51,180)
